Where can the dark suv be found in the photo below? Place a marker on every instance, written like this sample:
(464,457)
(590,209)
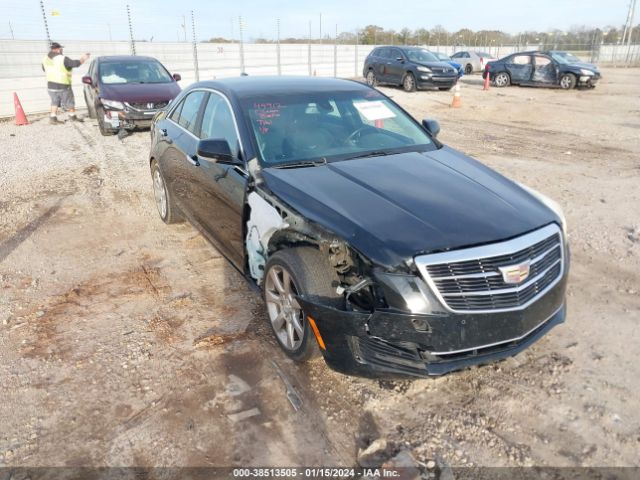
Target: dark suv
(126,91)
(372,242)
(411,67)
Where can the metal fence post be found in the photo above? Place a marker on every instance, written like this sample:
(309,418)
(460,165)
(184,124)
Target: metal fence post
(133,42)
(241,44)
(335,54)
(309,49)
(355,66)
(46,25)
(195,48)
(278,49)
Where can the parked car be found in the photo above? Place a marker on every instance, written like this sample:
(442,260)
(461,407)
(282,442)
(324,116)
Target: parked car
(443,57)
(126,91)
(373,243)
(472,61)
(541,69)
(411,67)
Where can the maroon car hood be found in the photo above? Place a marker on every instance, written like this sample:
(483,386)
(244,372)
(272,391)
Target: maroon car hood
(140,92)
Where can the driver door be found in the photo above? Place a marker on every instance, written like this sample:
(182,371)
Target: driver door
(520,68)
(544,71)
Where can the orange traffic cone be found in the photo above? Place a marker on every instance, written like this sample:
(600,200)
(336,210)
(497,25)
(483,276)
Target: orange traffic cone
(486,82)
(456,97)
(21,118)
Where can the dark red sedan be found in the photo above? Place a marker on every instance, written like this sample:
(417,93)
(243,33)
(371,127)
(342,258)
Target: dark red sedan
(126,91)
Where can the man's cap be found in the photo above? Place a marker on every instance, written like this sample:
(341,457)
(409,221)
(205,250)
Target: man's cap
(55,45)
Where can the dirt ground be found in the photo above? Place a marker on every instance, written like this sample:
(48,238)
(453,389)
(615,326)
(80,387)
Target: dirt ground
(127,342)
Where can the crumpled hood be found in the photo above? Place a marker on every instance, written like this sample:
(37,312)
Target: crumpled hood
(588,66)
(140,92)
(394,207)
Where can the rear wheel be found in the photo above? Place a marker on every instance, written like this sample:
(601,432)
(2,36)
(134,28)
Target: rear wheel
(567,81)
(501,79)
(409,82)
(293,272)
(164,200)
(468,69)
(372,81)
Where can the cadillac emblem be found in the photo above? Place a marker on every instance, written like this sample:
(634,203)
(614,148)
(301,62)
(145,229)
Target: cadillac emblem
(516,273)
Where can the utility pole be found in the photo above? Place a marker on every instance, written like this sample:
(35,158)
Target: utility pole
(627,22)
(109,28)
(11,30)
(46,25)
(133,43)
(321,29)
(309,48)
(335,54)
(195,48)
(632,9)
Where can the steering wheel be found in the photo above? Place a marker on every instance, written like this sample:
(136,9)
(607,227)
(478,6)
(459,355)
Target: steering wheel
(357,134)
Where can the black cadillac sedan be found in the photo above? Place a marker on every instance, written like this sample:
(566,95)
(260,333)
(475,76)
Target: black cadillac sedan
(542,69)
(374,244)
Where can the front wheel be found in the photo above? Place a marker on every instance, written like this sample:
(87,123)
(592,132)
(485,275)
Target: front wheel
(409,82)
(372,81)
(567,81)
(501,79)
(293,272)
(105,130)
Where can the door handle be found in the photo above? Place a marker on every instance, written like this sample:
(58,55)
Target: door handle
(163,132)
(193,160)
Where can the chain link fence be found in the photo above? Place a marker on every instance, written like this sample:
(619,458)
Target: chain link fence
(21,60)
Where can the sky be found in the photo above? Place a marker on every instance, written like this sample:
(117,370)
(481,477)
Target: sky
(162,20)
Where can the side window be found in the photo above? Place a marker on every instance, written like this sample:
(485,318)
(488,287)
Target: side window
(521,60)
(188,111)
(396,54)
(217,122)
(542,61)
(466,55)
(384,53)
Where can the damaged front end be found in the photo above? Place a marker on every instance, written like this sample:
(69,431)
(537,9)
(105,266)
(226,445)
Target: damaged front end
(409,321)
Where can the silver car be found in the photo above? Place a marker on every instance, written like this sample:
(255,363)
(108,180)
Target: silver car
(472,61)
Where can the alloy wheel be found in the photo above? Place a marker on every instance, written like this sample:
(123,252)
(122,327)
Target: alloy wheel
(501,79)
(160,193)
(371,79)
(285,313)
(408,83)
(565,82)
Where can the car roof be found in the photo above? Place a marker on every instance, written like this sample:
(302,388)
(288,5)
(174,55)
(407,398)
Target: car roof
(124,58)
(248,86)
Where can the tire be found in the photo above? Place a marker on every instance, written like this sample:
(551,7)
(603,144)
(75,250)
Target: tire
(104,130)
(290,272)
(568,81)
(444,89)
(372,81)
(468,69)
(501,79)
(91,109)
(409,82)
(165,204)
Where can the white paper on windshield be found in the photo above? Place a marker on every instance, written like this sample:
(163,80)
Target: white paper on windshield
(375,110)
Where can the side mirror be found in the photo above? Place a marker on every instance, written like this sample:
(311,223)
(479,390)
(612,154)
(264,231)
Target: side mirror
(216,149)
(87,79)
(431,126)
(400,59)
(177,77)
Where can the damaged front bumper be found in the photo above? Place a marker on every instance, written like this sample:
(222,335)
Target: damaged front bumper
(129,119)
(391,343)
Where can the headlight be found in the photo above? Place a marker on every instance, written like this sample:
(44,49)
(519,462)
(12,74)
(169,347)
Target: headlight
(424,69)
(586,72)
(551,204)
(114,104)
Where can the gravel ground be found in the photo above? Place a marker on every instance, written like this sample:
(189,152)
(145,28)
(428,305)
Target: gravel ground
(127,342)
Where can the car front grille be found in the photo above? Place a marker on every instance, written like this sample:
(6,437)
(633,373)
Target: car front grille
(148,106)
(442,70)
(471,280)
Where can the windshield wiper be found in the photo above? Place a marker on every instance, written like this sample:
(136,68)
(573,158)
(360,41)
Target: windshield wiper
(375,153)
(305,163)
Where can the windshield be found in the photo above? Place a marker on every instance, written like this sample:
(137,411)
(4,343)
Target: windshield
(143,71)
(442,56)
(564,57)
(419,55)
(328,126)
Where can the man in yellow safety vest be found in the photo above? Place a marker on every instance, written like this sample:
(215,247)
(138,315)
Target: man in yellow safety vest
(58,68)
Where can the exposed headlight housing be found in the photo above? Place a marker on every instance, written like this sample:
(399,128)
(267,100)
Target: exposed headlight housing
(112,104)
(584,71)
(423,69)
(549,203)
